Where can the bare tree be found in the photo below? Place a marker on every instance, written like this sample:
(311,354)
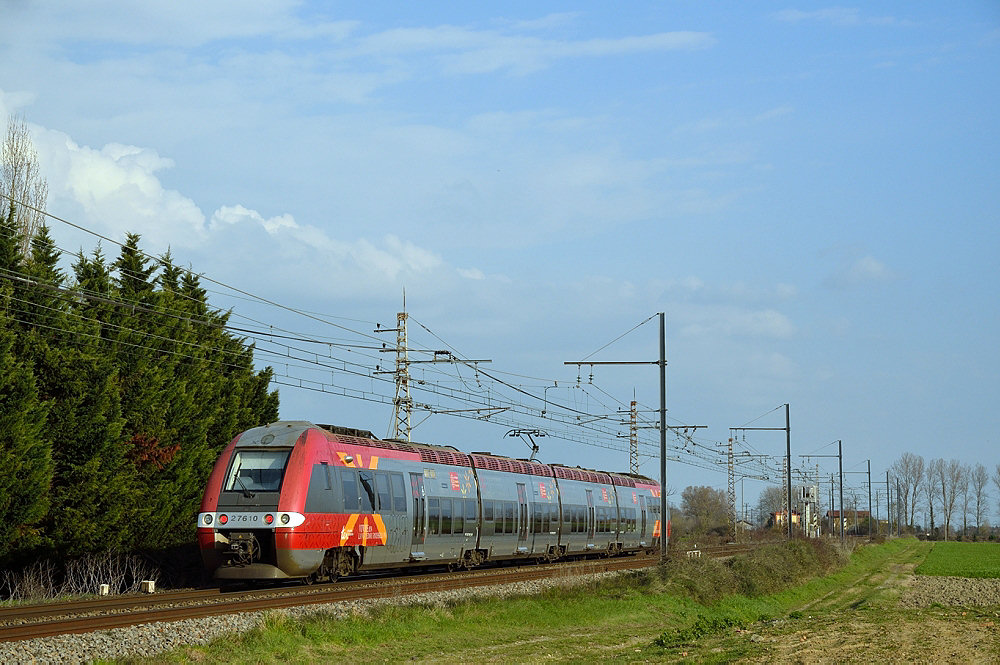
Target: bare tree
(996,478)
(909,470)
(964,495)
(933,487)
(947,475)
(978,479)
(771,500)
(706,507)
(21,182)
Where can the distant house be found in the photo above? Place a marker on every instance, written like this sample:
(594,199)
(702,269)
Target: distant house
(778,518)
(849,521)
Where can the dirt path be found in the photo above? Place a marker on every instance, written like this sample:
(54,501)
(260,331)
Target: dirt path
(885,616)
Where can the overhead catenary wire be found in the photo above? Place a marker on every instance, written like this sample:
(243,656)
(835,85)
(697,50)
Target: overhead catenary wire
(490,397)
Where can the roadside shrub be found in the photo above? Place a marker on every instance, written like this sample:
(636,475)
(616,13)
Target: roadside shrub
(765,570)
(46,579)
(704,580)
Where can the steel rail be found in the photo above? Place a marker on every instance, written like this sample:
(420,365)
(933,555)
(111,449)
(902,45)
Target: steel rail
(130,611)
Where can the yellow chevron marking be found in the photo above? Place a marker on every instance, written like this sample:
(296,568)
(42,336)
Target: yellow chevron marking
(348,529)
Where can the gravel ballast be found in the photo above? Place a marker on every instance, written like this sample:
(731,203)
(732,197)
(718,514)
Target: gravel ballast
(153,638)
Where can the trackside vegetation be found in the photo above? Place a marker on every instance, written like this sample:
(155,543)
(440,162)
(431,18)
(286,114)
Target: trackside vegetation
(119,386)
(641,616)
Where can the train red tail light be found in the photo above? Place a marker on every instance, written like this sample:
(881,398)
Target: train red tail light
(223,519)
(269,518)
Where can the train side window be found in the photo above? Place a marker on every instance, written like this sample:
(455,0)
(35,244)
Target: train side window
(320,499)
(487,511)
(349,485)
(445,516)
(367,491)
(554,515)
(434,515)
(382,487)
(398,493)
(508,517)
(458,519)
(536,518)
(470,511)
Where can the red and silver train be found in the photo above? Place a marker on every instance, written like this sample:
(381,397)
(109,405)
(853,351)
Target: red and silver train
(293,500)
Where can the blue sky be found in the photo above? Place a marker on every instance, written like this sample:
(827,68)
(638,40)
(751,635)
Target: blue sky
(807,190)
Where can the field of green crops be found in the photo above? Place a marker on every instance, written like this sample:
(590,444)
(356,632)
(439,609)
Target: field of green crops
(962,560)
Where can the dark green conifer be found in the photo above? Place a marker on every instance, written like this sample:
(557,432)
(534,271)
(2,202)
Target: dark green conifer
(25,454)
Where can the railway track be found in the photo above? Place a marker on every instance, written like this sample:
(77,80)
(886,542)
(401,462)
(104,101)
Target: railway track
(30,621)
(22,622)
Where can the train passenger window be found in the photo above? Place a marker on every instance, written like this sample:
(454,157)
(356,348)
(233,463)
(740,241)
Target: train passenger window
(367,491)
(445,516)
(554,514)
(544,510)
(536,518)
(320,499)
(458,519)
(470,511)
(382,488)
(508,517)
(398,493)
(349,485)
(434,515)
(487,511)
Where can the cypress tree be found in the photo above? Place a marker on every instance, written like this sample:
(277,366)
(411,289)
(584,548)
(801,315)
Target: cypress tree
(25,454)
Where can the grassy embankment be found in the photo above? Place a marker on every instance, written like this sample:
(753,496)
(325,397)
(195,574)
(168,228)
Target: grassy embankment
(651,615)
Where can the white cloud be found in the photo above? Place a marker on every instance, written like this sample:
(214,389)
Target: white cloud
(733,321)
(472,51)
(861,272)
(236,214)
(839,16)
(175,23)
(116,189)
(471,273)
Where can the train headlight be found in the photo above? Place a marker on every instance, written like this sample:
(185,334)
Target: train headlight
(284,518)
(208,519)
(269,518)
(223,519)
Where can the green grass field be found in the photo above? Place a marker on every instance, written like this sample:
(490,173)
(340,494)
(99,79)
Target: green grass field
(962,560)
(653,615)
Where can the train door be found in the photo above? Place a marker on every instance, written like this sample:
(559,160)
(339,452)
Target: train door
(522,532)
(642,519)
(590,518)
(419,526)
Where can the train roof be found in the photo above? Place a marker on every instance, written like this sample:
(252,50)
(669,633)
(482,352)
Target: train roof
(286,431)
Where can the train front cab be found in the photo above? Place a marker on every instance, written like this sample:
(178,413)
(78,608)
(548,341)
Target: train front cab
(249,504)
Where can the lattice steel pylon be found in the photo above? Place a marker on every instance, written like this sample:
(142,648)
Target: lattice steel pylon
(785,489)
(633,438)
(731,495)
(402,404)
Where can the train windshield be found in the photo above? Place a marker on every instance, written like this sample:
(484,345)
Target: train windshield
(257,470)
